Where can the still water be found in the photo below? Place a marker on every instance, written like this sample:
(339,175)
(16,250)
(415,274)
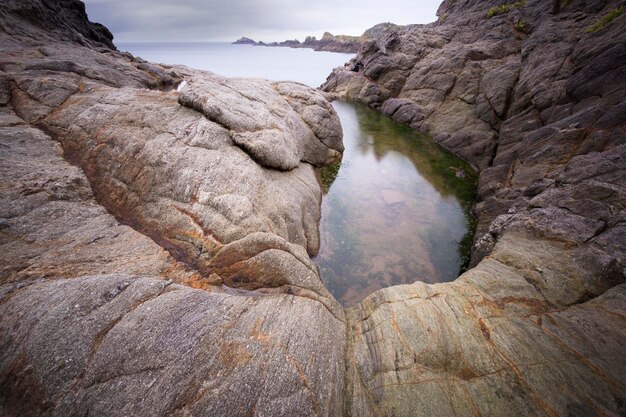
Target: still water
(395,210)
(303,65)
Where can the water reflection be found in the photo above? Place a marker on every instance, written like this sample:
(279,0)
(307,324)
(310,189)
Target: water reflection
(395,210)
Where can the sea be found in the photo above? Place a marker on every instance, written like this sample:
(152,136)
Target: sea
(273,63)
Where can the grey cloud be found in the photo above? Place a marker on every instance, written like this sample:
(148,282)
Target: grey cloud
(205,20)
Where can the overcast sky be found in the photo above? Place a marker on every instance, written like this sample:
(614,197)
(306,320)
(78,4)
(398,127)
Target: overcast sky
(267,20)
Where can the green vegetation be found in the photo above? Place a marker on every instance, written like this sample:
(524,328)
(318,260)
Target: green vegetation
(443,17)
(522,25)
(327,175)
(465,245)
(605,20)
(376,31)
(505,8)
(327,36)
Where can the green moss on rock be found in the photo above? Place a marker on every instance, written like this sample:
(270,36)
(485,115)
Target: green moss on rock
(606,19)
(504,8)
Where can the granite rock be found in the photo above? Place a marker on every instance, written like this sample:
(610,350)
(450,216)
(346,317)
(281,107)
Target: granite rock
(155,258)
(156,244)
(263,119)
(121,345)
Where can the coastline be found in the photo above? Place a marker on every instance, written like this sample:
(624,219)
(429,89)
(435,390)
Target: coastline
(157,244)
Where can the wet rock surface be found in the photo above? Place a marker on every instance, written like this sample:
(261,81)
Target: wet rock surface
(155,246)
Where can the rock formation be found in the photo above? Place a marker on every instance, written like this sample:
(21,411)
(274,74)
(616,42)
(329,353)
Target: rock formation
(532,93)
(334,43)
(328,43)
(156,243)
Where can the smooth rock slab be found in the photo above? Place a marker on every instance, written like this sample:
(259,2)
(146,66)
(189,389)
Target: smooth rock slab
(52,227)
(121,345)
(182,180)
(491,343)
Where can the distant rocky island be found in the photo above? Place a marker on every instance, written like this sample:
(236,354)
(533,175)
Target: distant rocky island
(328,42)
(244,41)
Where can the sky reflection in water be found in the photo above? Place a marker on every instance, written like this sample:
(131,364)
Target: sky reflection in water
(396,210)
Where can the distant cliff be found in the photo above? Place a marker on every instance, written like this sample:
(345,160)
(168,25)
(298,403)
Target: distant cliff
(334,43)
(328,42)
(244,41)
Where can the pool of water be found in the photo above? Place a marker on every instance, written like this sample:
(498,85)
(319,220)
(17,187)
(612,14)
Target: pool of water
(396,209)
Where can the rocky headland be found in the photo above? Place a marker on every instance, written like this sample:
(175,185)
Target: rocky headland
(156,235)
(328,42)
(244,41)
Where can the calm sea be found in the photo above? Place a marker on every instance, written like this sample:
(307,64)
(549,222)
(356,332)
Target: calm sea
(274,63)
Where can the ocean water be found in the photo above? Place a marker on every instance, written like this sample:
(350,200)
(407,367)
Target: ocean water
(395,210)
(273,63)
